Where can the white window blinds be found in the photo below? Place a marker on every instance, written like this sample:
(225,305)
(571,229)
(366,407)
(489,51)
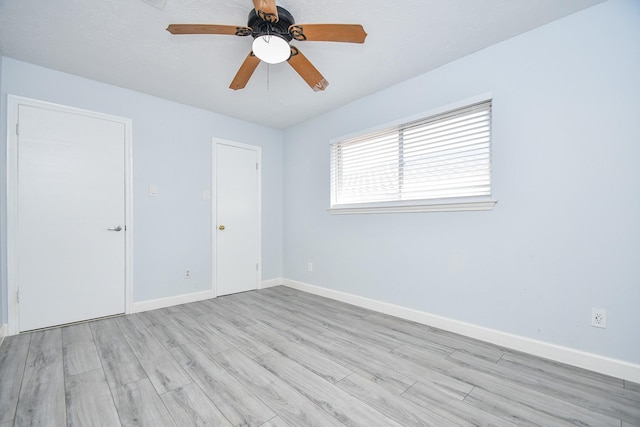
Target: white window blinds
(439,157)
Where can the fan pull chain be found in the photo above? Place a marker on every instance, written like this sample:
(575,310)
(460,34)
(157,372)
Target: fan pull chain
(268,76)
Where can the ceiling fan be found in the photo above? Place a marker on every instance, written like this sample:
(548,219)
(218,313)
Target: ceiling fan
(272,28)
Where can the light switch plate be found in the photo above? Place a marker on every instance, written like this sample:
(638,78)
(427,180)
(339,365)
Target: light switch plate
(153,190)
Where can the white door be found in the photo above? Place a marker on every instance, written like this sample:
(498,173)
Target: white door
(71,216)
(237,213)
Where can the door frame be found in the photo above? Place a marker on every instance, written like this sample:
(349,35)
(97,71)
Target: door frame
(214,207)
(13,103)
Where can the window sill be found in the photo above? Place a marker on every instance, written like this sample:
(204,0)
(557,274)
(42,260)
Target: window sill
(484,205)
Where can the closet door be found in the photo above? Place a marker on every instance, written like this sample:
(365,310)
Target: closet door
(71,216)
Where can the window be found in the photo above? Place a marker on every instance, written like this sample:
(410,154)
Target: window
(442,162)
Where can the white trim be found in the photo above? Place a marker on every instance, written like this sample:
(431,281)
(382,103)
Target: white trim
(214,196)
(271,283)
(593,362)
(171,301)
(427,207)
(12,199)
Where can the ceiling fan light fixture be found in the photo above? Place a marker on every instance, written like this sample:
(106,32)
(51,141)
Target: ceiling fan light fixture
(271,48)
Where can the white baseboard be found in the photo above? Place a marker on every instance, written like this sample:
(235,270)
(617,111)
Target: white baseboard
(271,283)
(169,301)
(593,362)
(4,331)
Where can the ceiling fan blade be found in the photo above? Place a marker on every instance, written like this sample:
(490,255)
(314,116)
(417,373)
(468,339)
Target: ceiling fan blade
(307,71)
(245,72)
(349,33)
(266,9)
(230,30)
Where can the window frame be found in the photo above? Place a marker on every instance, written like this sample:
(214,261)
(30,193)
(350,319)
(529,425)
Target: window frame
(448,204)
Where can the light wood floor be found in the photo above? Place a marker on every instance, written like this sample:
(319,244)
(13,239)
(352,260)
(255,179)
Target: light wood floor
(280,357)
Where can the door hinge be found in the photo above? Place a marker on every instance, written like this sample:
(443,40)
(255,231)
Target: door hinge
(18,296)
(257,267)
(256,165)
(17,129)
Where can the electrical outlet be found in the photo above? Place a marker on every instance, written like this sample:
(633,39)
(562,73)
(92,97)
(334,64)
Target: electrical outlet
(309,266)
(599,317)
(187,274)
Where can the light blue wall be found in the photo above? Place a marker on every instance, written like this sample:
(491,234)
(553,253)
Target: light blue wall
(565,235)
(171,149)
(3,216)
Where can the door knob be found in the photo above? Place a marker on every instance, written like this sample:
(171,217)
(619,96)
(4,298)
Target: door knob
(221,227)
(116,228)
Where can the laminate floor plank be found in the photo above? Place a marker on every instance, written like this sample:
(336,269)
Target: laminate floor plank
(79,349)
(309,301)
(12,363)
(422,335)
(281,357)
(404,338)
(357,330)
(130,324)
(237,337)
(267,299)
(375,370)
(89,401)
(14,340)
(198,333)
(394,406)
(318,315)
(409,369)
(291,316)
(230,312)
(42,398)
(571,377)
(275,422)
(506,387)
(256,309)
(227,312)
(150,317)
(346,408)
(196,309)
(340,312)
(592,400)
(157,316)
(629,385)
(119,363)
(46,339)
(161,368)
(189,406)
(451,407)
(511,410)
(164,330)
(107,322)
(273,321)
(233,399)
(550,367)
(311,359)
(169,335)
(290,405)
(138,404)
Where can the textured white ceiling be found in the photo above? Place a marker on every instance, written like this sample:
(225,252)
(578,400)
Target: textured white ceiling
(124,43)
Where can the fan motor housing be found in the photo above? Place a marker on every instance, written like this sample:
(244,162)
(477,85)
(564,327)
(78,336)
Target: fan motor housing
(280,28)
